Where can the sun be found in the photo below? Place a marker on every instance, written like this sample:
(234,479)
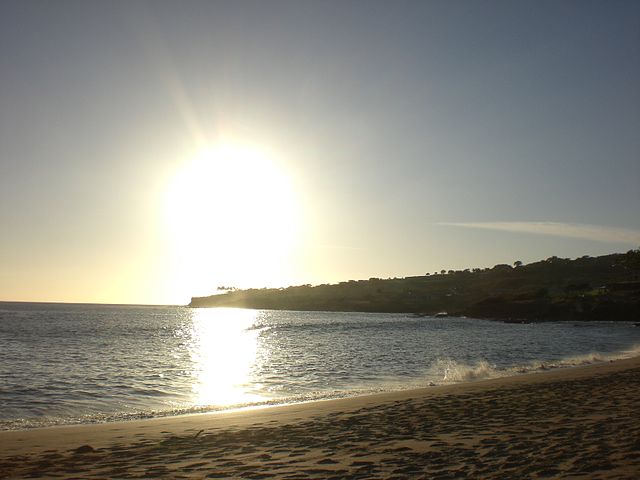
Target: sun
(232,219)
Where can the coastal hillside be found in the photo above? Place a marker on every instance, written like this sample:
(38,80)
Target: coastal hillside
(587,288)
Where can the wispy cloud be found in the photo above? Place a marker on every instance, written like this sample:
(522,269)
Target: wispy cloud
(597,233)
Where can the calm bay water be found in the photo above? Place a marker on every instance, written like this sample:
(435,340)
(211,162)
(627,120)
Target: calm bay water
(67,363)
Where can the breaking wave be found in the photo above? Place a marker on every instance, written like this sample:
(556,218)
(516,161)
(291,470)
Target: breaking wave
(449,371)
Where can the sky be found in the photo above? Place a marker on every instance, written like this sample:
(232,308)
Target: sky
(153,151)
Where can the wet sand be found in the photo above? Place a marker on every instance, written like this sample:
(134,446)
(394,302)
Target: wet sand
(578,423)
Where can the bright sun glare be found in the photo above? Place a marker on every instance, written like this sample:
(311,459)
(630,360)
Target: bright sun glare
(232,219)
(223,350)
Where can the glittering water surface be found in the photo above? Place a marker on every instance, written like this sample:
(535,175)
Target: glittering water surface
(65,363)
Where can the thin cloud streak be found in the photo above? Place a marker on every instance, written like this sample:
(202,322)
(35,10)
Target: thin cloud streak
(596,233)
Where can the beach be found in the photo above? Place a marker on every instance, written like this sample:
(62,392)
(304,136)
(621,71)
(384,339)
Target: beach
(579,422)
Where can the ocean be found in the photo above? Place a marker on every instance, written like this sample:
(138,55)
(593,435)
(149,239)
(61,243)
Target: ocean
(76,363)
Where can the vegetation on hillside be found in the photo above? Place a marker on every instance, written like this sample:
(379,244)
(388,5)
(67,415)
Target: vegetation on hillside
(587,288)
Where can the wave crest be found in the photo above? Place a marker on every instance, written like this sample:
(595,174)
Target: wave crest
(450,371)
(455,372)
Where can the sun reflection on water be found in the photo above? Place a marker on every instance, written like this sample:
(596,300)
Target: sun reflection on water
(223,352)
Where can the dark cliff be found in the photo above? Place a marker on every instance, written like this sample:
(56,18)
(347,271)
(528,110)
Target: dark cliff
(587,288)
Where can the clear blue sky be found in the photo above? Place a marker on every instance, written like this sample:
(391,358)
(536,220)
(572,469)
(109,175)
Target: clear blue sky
(409,136)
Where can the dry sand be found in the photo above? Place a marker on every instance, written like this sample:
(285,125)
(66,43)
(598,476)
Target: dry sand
(573,423)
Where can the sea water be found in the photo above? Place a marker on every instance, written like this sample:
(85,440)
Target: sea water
(71,363)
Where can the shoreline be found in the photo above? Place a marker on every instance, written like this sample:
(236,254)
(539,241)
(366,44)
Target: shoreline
(368,435)
(468,373)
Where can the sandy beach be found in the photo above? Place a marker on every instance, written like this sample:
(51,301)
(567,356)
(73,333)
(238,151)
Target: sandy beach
(581,422)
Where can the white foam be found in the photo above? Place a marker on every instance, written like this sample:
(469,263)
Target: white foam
(449,371)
